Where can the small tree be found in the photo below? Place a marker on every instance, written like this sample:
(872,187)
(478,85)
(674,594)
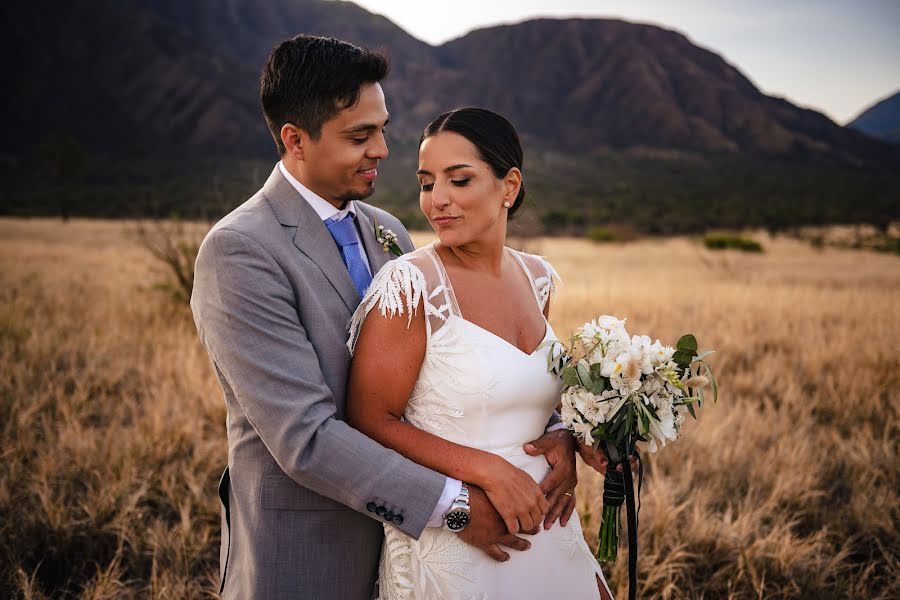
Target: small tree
(176,249)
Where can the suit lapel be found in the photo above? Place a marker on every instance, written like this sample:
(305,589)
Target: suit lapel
(312,237)
(377,256)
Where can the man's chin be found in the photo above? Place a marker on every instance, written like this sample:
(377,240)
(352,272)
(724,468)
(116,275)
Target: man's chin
(358,194)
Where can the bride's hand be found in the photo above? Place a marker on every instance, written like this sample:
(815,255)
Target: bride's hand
(515,495)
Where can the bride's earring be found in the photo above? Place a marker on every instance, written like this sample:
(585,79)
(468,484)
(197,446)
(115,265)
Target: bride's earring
(506,205)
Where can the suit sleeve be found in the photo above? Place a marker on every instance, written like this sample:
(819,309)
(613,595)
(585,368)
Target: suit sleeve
(246,314)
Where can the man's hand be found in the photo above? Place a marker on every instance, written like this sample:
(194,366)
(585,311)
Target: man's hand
(598,460)
(487,531)
(558,447)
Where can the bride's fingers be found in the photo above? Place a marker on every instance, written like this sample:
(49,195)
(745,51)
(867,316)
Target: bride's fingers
(526,522)
(512,523)
(543,505)
(533,531)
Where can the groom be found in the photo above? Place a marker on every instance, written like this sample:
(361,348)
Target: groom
(276,281)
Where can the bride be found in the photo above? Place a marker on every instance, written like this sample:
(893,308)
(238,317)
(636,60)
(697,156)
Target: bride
(450,370)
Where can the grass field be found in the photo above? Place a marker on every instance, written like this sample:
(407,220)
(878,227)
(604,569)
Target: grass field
(112,426)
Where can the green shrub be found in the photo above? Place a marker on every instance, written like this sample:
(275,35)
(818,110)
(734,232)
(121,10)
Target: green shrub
(724,241)
(601,234)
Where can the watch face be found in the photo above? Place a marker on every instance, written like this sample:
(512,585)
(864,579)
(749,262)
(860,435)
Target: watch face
(457,520)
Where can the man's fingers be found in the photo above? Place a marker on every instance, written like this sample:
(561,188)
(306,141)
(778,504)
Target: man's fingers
(567,513)
(553,479)
(494,551)
(532,531)
(515,542)
(535,448)
(558,502)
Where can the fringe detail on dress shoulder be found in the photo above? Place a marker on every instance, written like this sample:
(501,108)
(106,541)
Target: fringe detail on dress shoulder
(397,287)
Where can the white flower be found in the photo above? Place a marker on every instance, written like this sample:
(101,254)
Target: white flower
(664,429)
(582,431)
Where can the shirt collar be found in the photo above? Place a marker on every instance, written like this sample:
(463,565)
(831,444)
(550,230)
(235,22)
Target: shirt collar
(323,208)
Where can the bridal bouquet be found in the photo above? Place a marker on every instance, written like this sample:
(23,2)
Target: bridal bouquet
(620,390)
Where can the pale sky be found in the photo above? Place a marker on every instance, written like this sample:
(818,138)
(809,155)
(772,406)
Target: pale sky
(835,56)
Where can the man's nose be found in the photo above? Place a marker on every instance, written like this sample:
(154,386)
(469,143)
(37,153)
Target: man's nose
(379,148)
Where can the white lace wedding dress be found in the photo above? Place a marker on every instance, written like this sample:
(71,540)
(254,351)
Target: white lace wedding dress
(476,389)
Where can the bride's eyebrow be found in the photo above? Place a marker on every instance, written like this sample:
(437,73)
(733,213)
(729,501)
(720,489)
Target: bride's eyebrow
(447,170)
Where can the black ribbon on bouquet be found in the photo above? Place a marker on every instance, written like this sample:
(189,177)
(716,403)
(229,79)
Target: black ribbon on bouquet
(618,487)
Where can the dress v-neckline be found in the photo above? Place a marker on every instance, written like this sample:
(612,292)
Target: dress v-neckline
(507,342)
(459,315)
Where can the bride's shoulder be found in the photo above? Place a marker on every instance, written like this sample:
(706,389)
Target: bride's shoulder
(538,266)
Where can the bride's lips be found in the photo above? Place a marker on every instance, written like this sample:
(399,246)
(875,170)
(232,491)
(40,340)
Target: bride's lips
(368,174)
(444,220)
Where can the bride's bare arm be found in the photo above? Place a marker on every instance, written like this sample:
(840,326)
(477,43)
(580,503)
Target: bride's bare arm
(386,364)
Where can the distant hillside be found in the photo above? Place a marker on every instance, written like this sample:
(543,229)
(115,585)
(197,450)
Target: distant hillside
(119,107)
(882,120)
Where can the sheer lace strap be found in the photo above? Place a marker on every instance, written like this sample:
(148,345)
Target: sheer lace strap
(542,275)
(399,286)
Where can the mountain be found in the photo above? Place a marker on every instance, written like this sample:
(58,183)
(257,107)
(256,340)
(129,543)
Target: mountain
(184,74)
(160,98)
(584,83)
(882,120)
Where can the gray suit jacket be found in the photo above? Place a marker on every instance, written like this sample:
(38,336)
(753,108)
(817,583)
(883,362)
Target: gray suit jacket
(304,496)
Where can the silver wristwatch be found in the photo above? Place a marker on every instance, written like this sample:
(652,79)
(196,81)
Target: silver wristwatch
(457,518)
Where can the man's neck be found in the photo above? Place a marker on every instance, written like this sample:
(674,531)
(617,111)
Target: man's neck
(292,168)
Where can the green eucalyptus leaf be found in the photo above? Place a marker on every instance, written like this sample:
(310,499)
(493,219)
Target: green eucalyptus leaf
(690,408)
(687,343)
(584,375)
(570,377)
(682,358)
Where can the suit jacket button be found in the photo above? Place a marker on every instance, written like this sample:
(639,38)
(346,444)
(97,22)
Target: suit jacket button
(380,511)
(398,519)
(388,516)
(371,507)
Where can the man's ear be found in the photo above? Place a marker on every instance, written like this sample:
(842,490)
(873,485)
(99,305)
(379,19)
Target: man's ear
(293,139)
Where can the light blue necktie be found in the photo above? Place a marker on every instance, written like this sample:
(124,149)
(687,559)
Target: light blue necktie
(344,234)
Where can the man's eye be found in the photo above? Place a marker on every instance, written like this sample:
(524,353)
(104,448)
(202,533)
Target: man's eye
(359,141)
(460,182)
(427,187)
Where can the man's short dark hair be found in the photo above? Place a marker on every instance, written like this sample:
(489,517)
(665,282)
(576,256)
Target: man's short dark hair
(308,80)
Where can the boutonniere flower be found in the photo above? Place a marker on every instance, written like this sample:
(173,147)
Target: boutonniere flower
(387,239)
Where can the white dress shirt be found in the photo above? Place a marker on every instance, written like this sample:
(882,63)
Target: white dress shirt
(326,210)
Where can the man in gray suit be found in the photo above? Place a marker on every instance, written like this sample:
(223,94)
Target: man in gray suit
(276,281)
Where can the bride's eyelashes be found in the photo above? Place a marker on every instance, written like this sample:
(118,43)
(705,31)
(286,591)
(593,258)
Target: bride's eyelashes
(427,187)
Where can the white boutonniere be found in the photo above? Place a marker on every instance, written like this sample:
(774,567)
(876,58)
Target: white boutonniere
(387,239)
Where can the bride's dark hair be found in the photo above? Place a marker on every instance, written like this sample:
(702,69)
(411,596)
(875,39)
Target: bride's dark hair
(494,137)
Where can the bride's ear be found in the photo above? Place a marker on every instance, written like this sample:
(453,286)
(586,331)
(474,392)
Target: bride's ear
(292,138)
(512,182)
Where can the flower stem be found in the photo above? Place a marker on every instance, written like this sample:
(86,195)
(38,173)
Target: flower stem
(609,535)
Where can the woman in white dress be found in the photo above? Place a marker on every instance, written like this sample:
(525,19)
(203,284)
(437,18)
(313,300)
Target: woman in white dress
(450,370)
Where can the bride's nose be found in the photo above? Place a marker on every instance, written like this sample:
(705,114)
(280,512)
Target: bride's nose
(440,196)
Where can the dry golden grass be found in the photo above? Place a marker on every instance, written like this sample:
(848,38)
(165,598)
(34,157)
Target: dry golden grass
(112,425)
